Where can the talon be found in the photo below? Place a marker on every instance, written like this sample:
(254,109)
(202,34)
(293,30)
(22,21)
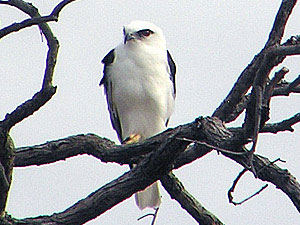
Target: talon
(133,138)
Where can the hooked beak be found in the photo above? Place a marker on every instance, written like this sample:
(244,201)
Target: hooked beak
(128,37)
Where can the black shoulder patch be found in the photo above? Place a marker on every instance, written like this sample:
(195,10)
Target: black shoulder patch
(172,69)
(107,60)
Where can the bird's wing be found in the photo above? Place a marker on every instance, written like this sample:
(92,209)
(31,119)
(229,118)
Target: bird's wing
(172,68)
(172,71)
(108,60)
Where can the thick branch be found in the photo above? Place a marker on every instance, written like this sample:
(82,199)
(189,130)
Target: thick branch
(102,149)
(199,130)
(154,166)
(177,191)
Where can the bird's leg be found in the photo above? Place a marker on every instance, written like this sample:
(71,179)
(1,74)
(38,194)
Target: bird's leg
(133,138)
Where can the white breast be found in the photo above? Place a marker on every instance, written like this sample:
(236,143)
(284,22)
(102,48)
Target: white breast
(142,90)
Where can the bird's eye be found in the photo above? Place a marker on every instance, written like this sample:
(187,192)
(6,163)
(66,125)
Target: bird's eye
(145,32)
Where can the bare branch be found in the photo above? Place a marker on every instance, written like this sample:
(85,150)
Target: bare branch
(197,130)
(231,190)
(177,191)
(284,89)
(294,84)
(246,78)
(272,84)
(33,21)
(281,19)
(285,125)
(251,196)
(154,166)
(25,23)
(210,130)
(284,50)
(270,172)
(42,97)
(28,108)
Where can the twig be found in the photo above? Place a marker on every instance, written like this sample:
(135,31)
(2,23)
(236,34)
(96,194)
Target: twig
(213,147)
(231,190)
(251,196)
(150,214)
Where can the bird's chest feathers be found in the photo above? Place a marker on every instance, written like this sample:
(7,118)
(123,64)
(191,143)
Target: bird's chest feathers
(141,74)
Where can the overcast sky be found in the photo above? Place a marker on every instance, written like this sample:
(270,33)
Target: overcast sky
(211,43)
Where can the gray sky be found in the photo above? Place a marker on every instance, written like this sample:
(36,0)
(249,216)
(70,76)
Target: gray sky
(211,43)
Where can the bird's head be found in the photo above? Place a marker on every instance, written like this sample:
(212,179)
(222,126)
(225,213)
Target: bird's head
(143,32)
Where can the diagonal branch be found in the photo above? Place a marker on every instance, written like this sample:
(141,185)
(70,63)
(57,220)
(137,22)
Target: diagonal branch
(177,191)
(281,19)
(28,108)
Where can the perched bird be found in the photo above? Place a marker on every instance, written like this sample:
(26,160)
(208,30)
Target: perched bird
(139,83)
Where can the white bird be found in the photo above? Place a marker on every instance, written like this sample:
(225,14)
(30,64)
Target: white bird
(139,83)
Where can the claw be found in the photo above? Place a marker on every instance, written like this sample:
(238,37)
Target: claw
(133,138)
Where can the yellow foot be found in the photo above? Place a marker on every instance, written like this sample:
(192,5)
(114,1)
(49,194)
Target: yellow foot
(133,138)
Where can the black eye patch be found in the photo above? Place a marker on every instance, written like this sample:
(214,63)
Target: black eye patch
(145,32)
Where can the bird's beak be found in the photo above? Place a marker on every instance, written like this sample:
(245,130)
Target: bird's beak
(128,37)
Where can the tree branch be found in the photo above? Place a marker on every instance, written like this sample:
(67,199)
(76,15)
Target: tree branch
(155,165)
(53,16)
(177,191)
(246,78)
(201,129)
(285,125)
(28,108)
(39,99)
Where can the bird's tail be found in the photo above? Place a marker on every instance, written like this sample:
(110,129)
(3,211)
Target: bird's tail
(150,197)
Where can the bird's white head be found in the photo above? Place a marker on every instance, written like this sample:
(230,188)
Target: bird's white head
(142,32)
